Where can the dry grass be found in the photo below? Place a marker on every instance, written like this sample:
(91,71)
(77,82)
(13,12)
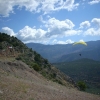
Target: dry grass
(22,83)
(7,58)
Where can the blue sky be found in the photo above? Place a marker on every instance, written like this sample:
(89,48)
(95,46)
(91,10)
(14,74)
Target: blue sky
(51,21)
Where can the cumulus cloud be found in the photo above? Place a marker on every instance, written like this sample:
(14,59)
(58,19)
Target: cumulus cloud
(7,6)
(8,31)
(54,5)
(72,32)
(92,32)
(40,18)
(46,6)
(85,24)
(91,28)
(55,41)
(57,27)
(96,21)
(69,5)
(52,22)
(94,2)
(28,34)
(54,29)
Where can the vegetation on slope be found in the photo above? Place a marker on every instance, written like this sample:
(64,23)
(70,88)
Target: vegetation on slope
(12,47)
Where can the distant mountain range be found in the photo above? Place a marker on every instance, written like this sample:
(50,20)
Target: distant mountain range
(68,52)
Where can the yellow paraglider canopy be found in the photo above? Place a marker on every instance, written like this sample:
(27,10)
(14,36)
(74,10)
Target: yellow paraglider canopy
(80,42)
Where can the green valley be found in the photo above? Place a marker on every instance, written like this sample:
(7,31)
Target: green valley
(86,70)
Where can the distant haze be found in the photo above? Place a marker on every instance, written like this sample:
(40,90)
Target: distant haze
(68,52)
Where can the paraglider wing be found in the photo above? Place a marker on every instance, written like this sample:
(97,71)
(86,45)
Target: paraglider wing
(80,42)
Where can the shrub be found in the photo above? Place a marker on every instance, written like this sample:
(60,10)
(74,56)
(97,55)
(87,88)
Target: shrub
(37,58)
(1,46)
(30,54)
(18,58)
(53,75)
(82,85)
(44,73)
(46,61)
(58,81)
(35,66)
(31,50)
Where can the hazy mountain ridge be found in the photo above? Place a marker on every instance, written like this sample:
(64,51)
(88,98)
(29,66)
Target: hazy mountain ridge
(68,52)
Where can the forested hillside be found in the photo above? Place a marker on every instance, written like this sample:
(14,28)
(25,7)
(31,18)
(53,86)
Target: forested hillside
(86,70)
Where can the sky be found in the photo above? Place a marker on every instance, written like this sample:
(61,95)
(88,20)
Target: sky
(51,21)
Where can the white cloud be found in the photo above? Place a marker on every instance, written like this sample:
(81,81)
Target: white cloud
(54,29)
(40,18)
(28,34)
(54,5)
(85,24)
(57,27)
(69,5)
(46,6)
(69,41)
(81,40)
(52,22)
(7,6)
(96,21)
(55,41)
(94,2)
(72,32)
(92,32)
(8,31)
(30,5)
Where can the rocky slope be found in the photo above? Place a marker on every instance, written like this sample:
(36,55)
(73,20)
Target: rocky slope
(19,82)
(12,48)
